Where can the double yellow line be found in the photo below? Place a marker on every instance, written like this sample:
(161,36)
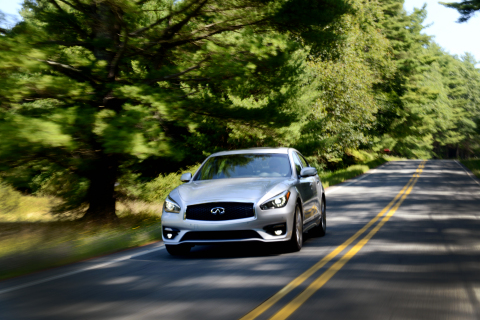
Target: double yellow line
(293,305)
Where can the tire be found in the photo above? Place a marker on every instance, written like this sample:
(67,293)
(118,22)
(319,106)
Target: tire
(296,242)
(321,229)
(178,250)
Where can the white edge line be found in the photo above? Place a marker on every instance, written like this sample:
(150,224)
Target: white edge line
(468,173)
(63,275)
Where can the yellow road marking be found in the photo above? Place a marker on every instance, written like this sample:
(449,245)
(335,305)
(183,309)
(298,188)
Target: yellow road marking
(308,273)
(286,311)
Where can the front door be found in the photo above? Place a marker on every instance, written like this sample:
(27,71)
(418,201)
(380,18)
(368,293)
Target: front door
(315,185)
(305,187)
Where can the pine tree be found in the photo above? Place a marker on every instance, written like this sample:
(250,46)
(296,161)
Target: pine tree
(462,82)
(348,68)
(94,87)
(405,121)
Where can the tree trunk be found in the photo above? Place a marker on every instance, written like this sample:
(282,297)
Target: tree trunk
(101,192)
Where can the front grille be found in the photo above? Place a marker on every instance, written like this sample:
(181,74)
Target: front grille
(233,210)
(221,235)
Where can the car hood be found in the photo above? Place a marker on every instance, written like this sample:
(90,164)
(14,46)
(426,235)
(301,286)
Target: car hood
(236,189)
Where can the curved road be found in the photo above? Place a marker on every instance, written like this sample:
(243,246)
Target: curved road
(403,242)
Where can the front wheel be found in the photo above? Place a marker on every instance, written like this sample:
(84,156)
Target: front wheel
(296,242)
(178,250)
(321,229)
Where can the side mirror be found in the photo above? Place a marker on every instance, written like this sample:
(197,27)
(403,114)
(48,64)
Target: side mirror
(186,177)
(308,172)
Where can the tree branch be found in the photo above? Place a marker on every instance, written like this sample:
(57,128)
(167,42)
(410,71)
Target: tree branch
(208,26)
(139,31)
(168,44)
(68,70)
(156,23)
(231,8)
(169,32)
(116,59)
(176,75)
(74,24)
(71,5)
(79,7)
(183,41)
(67,44)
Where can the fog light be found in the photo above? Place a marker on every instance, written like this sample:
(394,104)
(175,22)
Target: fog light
(276,229)
(170,233)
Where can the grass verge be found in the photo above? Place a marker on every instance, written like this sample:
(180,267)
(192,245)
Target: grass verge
(473,165)
(30,246)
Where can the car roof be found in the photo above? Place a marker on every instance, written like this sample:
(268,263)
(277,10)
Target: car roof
(253,150)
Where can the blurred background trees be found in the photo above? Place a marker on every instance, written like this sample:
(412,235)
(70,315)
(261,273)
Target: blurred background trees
(91,88)
(100,97)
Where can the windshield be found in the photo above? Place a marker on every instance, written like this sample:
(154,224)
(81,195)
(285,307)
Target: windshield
(245,166)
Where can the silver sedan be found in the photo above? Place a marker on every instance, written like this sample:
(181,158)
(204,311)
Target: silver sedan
(261,194)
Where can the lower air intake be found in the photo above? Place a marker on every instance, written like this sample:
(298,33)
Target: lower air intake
(220,235)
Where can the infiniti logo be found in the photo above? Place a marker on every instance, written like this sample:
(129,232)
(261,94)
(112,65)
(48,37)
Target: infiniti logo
(218,210)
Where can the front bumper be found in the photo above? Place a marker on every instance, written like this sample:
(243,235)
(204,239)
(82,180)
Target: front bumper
(238,230)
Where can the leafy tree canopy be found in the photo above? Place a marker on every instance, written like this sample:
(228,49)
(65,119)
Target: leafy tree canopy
(95,86)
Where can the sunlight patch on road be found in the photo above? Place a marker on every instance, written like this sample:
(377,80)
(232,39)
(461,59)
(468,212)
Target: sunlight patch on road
(269,267)
(229,281)
(120,280)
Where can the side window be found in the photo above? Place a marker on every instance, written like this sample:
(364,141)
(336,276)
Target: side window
(296,161)
(302,159)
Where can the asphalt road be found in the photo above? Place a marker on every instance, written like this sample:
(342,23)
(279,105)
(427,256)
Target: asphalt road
(402,242)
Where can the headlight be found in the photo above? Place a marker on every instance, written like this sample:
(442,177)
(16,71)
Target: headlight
(171,206)
(278,201)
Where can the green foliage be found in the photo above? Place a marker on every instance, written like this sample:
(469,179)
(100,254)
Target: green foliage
(404,119)
(62,184)
(214,134)
(456,126)
(130,187)
(347,75)
(361,155)
(95,93)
